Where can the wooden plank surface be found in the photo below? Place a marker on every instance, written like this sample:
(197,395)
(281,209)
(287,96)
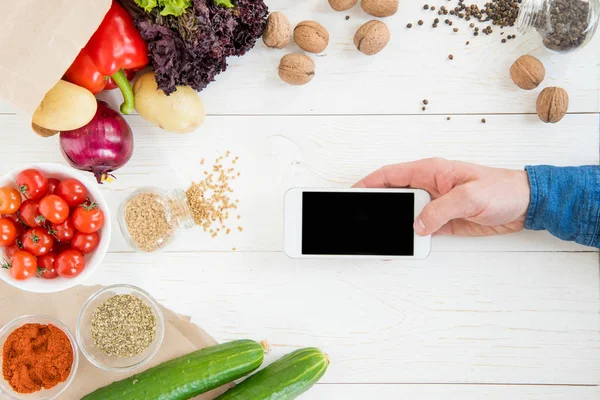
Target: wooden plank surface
(455,318)
(277,153)
(445,392)
(413,67)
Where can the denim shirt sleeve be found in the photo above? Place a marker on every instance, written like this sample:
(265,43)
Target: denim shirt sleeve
(565,201)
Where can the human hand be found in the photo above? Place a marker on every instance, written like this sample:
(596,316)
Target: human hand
(468,199)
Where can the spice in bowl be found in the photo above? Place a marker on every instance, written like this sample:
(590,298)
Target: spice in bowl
(123,326)
(36,357)
(150,217)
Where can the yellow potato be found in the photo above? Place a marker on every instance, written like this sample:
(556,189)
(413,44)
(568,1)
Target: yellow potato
(65,107)
(180,112)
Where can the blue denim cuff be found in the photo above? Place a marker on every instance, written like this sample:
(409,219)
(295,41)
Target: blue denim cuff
(566,202)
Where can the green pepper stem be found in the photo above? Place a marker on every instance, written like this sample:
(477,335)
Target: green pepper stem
(123,84)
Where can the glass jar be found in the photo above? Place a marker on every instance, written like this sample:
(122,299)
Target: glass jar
(150,218)
(563,25)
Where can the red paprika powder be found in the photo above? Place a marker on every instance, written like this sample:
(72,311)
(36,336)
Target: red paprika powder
(36,356)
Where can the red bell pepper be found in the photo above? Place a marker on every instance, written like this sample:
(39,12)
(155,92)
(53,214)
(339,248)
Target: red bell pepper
(114,47)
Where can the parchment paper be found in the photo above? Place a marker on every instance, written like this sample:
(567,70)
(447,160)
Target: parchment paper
(39,41)
(181,336)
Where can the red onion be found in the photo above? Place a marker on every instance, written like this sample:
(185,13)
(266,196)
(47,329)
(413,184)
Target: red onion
(102,146)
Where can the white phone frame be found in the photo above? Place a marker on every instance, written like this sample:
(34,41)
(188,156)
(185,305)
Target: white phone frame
(292,236)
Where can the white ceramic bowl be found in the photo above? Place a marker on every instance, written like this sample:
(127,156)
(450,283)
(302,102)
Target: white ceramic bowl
(92,261)
(86,341)
(44,394)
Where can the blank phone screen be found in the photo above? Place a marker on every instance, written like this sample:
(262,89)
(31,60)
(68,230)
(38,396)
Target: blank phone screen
(358,223)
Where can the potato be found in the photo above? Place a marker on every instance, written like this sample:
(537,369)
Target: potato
(180,112)
(65,107)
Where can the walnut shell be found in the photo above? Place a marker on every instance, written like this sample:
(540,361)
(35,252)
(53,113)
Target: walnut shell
(342,5)
(311,36)
(527,72)
(372,37)
(380,8)
(552,104)
(296,69)
(278,32)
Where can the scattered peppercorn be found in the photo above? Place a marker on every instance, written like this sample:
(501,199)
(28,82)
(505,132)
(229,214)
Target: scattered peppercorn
(483,120)
(347,17)
(455,29)
(423,108)
(409,26)
(420,22)
(447,118)
(426,7)
(451,57)
(426,102)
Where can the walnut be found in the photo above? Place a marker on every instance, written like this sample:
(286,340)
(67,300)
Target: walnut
(527,72)
(380,8)
(311,36)
(552,104)
(342,5)
(277,33)
(372,37)
(296,69)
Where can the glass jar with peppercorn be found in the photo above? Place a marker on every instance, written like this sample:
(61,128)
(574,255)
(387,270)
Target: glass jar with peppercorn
(563,25)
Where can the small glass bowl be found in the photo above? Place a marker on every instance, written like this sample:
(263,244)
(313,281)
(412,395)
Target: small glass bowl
(97,356)
(44,394)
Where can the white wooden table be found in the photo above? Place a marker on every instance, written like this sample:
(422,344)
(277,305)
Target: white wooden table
(496,318)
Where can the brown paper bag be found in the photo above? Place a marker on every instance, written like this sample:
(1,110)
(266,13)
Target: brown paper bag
(39,41)
(181,336)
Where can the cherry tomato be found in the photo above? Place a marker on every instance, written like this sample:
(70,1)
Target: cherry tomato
(64,231)
(10,200)
(45,266)
(32,184)
(52,184)
(13,248)
(85,242)
(22,265)
(30,214)
(38,241)
(8,232)
(72,191)
(54,209)
(88,218)
(69,263)
(17,221)
(60,247)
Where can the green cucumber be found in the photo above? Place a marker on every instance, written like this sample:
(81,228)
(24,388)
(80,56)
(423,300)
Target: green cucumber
(187,376)
(285,379)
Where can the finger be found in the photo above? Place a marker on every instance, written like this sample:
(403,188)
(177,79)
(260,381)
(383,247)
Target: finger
(455,204)
(402,175)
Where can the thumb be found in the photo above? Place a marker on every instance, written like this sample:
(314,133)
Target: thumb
(454,204)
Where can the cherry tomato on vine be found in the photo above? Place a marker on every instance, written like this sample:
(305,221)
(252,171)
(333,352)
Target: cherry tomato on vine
(88,217)
(64,231)
(30,214)
(8,232)
(23,265)
(69,263)
(85,242)
(13,248)
(46,266)
(52,184)
(38,241)
(72,191)
(54,209)
(32,184)
(10,200)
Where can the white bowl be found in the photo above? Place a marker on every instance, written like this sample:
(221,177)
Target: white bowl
(44,394)
(92,260)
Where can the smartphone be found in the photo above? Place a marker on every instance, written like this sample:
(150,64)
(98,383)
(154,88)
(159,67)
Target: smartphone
(354,223)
